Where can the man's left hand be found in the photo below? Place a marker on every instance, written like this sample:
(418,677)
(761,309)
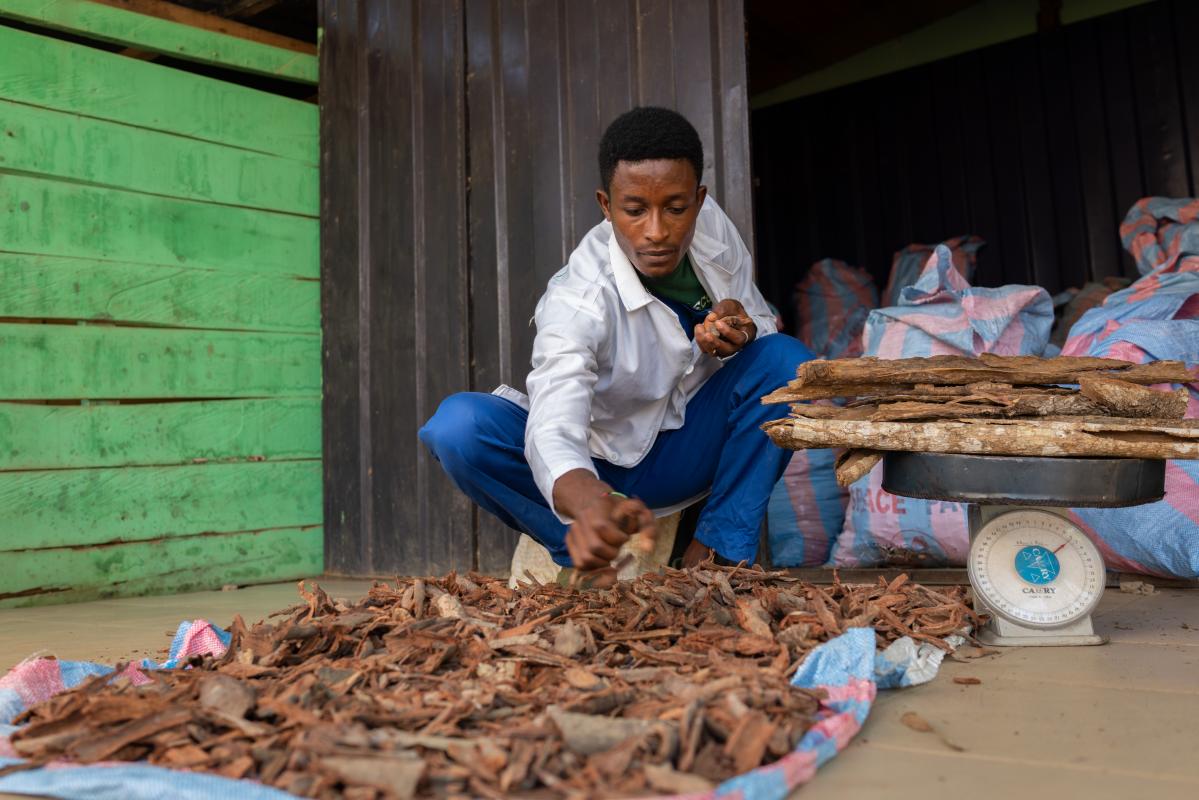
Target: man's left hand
(726,330)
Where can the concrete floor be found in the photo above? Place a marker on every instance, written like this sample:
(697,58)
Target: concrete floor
(1116,721)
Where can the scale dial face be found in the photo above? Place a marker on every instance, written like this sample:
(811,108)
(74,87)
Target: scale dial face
(1036,569)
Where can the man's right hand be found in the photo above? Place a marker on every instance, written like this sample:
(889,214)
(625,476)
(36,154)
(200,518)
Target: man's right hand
(602,521)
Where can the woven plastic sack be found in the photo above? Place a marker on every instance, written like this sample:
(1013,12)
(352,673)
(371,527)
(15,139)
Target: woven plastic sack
(940,315)
(806,511)
(1153,319)
(907,265)
(831,305)
(1162,235)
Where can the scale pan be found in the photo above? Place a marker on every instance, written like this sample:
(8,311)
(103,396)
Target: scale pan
(1025,480)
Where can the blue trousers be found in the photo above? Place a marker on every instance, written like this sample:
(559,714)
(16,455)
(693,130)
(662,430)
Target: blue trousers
(480,440)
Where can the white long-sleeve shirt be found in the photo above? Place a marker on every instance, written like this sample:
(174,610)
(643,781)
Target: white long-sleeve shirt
(612,366)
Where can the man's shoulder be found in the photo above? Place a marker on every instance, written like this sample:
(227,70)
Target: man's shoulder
(590,263)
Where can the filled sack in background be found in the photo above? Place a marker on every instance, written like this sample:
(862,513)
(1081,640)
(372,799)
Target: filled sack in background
(1155,318)
(908,264)
(831,305)
(942,314)
(807,508)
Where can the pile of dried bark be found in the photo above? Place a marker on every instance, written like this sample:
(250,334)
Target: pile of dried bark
(460,686)
(997,405)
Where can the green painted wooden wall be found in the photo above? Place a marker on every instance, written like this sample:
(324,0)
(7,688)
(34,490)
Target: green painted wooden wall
(160,369)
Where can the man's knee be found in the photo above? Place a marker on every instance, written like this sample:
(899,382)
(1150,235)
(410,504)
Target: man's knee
(452,434)
(781,354)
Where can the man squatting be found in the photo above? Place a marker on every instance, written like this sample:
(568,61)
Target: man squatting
(653,348)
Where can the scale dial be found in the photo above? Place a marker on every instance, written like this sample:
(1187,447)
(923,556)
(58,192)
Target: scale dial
(1036,569)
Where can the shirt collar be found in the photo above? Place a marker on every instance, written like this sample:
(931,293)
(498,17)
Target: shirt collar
(703,251)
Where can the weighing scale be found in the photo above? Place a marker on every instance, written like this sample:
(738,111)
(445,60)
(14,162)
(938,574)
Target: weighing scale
(1032,569)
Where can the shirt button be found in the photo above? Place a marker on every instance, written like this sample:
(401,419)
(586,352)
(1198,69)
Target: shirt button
(689,370)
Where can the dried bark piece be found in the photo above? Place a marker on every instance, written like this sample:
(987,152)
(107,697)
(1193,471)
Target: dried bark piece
(396,776)
(587,734)
(226,695)
(916,722)
(963,680)
(1122,398)
(753,618)
(1083,436)
(748,741)
(373,681)
(957,370)
(662,778)
(852,465)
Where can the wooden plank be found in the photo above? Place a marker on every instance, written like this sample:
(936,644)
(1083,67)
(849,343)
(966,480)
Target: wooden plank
(342,285)
(1124,148)
(442,351)
(583,68)
(54,218)
(1024,69)
(35,436)
(70,508)
(1003,117)
(66,362)
(917,127)
(1186,22)
(129,569)
(50,287)
(1159,112)
(489,238)
(979,168)
(1090,138)
(156,35)
(59,75)
(1073,263)
(211,22)
(61,145)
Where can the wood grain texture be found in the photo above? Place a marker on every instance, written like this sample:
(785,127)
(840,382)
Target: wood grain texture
(72,147)
(211,22)
(66,508)
(155,35)
(34,436)
(50,287)
(57,218)
(1114,438)
(59,75)
(68,362)
(186,563)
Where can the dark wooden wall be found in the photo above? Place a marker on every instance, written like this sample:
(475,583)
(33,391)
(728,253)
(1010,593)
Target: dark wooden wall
(1039,145)
(458,144)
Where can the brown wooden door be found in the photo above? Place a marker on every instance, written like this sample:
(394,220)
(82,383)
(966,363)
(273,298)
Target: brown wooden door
(458,172)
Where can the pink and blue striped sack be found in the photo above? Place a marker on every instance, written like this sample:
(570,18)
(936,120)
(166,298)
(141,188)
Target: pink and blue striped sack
(848,669)
(1155,318)
(831,305)
(940,315)
(908,264)
(1162,235)
(807,508)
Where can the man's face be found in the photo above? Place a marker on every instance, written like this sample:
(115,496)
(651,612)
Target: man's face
(652,206)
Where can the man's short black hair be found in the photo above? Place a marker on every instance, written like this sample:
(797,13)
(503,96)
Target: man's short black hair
(648,133)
